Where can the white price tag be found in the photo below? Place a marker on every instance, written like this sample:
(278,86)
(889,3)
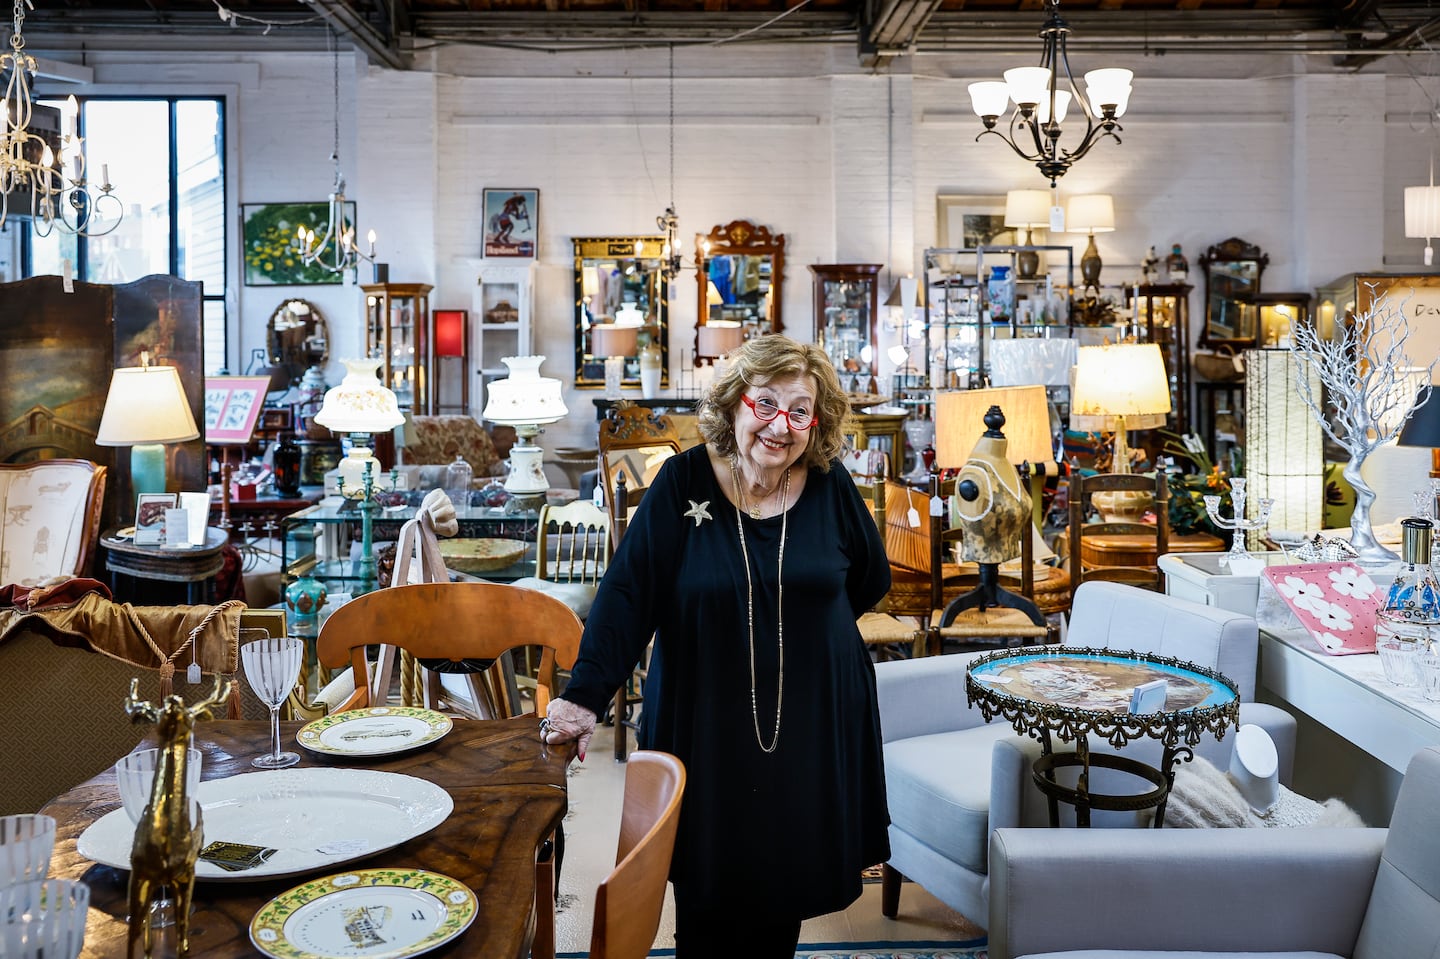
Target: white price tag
(913,518)
(67,276)
(937,506)
(1057,219)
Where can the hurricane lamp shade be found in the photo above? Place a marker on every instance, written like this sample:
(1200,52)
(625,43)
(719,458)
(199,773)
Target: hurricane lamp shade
(960,421)
(360,405)
(1423,428)
(145,409)
(527,401)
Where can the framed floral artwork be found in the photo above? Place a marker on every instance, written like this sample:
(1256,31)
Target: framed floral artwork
(271,258)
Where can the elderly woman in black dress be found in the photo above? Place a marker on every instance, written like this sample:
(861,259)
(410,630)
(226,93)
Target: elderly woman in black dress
(749,560)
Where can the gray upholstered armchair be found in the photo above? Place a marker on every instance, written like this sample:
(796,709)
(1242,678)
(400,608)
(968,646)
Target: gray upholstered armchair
(1225,893)
(952,779)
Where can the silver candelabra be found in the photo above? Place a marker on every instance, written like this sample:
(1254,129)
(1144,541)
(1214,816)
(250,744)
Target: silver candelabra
(1238,524)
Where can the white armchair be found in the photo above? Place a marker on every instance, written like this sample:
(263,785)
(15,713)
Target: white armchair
(952,779)
(1225,893)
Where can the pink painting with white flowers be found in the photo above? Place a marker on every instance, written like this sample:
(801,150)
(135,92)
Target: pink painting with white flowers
(1335,602)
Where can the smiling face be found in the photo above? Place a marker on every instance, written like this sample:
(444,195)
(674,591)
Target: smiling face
(773,446)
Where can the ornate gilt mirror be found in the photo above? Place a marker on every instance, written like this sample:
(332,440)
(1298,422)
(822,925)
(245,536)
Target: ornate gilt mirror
(296,337)
(740,268)
(1232,277)
(618,287)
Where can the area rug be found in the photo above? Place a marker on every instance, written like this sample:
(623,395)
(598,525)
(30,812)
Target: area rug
(860,950)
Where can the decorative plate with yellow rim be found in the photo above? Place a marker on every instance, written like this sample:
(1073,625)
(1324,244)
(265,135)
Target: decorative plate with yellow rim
(369,913)
(376,731)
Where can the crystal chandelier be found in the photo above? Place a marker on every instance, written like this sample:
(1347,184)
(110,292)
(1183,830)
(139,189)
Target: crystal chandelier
(669,222)
(29,164)
(1040,104)
(335,250)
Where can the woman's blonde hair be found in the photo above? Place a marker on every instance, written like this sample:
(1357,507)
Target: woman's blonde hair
(763,360)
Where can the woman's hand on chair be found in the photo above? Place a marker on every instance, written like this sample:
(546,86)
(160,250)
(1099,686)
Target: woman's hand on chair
(566,721)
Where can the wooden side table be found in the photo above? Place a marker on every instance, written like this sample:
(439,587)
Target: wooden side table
(194,566)
(1138,550)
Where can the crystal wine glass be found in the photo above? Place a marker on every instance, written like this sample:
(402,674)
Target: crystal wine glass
(272,666)
(135,775)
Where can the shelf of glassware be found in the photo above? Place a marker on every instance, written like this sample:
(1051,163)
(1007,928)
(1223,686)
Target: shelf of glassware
(395,319)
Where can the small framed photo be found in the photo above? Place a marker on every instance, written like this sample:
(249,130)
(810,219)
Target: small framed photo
(512,223)
(232,405)
(150,517)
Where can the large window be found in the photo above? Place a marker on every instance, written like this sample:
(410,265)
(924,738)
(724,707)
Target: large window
(166,158)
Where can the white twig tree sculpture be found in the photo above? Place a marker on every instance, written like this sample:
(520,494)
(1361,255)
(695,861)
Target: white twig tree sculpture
(1367,380)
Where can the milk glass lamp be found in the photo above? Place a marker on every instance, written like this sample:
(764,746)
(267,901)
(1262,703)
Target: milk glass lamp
(145,409)
(360,406)
(527,401)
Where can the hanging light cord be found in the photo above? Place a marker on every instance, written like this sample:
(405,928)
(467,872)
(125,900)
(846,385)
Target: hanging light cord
(672,121)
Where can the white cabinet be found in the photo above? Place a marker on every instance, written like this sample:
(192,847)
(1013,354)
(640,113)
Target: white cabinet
(500,318)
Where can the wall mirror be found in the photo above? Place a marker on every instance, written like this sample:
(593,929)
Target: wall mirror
(1232,276)
(297,338)
(618,288)
(740,272)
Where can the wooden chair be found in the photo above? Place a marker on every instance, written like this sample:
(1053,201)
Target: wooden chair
(878,628)
(1082,489)
(629,900)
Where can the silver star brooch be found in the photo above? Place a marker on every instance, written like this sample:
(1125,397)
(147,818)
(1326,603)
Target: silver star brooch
(699,512)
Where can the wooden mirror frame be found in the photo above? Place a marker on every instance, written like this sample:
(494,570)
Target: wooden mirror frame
(589,371)
(294,355)
(1233,250)
(740,238)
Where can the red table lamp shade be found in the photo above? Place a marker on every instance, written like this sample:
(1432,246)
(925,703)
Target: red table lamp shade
(449,332)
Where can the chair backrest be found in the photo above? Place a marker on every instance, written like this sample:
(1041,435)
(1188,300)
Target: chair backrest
(451,621)
(576,551)
(1118,616)
(634,443)
(1403,918)
(1082,489)
(629,900)
(52,519)
(907,541)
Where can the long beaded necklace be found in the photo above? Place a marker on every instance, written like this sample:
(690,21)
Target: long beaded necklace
(750,607)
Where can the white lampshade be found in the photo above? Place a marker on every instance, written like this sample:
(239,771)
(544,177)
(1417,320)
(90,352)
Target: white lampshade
(719,338)
(1127,379)
(989,98)
(1108,86)
(607,339)
(524,397)
(1062,104)
(1027,208)
(360,404)
(1422,211)
(146,404)
(960,421)
(1090,213)
(1028,84)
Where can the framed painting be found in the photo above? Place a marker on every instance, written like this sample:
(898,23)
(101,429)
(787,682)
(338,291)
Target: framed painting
(232,405)
(269,243)
(512,223)
(964,222)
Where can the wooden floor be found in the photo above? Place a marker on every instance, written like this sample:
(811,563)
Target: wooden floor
(591,828)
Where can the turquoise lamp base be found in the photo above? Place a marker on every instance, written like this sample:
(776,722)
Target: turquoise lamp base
(147,468)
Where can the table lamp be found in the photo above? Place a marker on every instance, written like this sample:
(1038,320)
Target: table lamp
(1093,213)
(360,406)
(716,340)
(615,343)
(1126,385)
(145,409)
(1027,210)
(960,421)
(527,401)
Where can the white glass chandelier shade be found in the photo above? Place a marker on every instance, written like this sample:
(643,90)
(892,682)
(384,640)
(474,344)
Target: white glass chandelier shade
(989,98)
(1109,88)
(1027,86)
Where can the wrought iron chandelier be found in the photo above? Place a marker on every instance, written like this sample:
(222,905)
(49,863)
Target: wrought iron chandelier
(334,251)
(669,221)
(1040,104)
(29,164)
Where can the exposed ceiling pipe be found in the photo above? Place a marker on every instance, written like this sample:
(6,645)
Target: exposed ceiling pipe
(348,23)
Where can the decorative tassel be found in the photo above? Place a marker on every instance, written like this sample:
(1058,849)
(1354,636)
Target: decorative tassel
(167,679)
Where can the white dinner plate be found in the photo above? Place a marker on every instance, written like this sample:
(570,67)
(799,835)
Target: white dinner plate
(367,913)
(296,812)
(376,731)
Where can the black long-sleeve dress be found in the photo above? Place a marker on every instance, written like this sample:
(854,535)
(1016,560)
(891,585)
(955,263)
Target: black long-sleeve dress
(786,832)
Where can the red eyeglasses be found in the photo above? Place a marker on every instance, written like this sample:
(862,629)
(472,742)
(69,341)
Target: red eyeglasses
(765,411)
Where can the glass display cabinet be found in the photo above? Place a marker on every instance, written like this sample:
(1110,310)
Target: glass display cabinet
(396,315)
(846,298)
(1160,313)
(1272,315)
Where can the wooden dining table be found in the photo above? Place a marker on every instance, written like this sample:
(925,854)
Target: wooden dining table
(509,792)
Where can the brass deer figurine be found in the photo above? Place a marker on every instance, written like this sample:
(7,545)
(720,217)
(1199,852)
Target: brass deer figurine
(167,844)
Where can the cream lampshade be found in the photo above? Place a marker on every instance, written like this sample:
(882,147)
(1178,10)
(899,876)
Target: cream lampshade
(615,343)
(527,401)
(1127,382)
(360,405)
(1090,213)
(1027,210)
(1422,215)
(718,338)
(960,419)
(145,409)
